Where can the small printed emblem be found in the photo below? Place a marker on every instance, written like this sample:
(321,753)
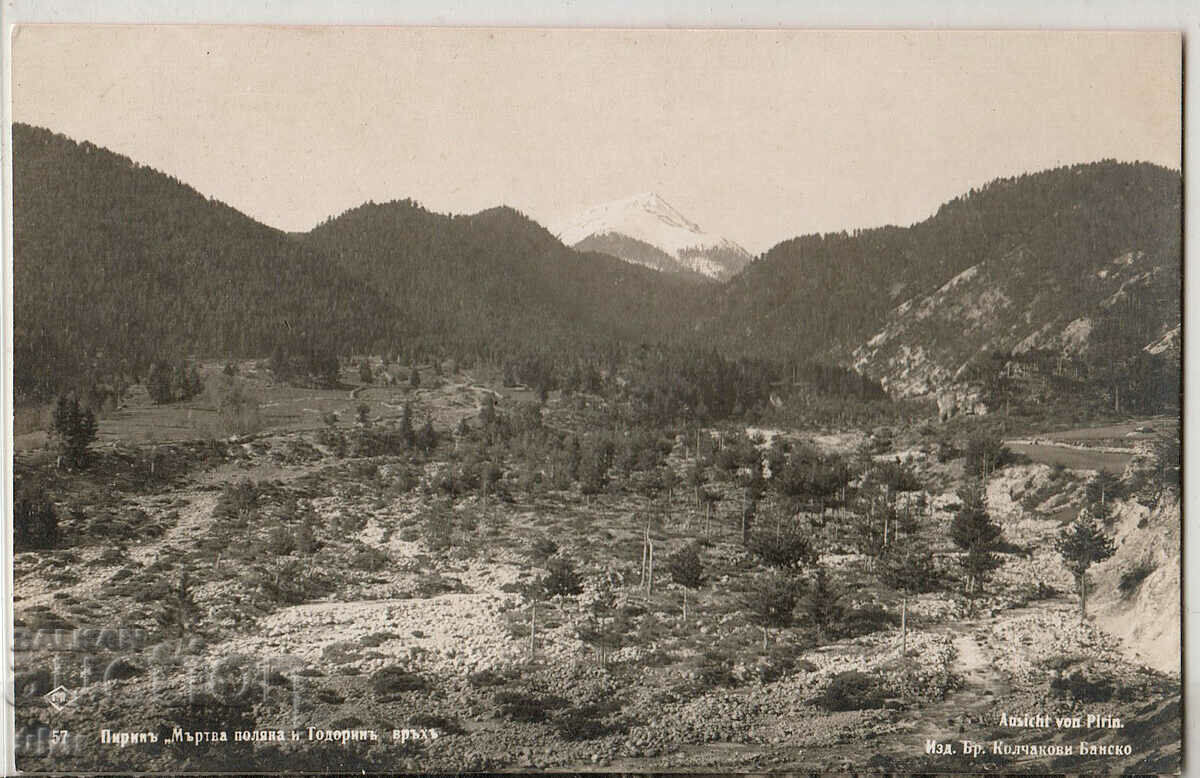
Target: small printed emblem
(59,697)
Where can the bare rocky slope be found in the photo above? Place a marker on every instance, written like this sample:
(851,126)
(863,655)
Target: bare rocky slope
(1146,616)
(1015,303)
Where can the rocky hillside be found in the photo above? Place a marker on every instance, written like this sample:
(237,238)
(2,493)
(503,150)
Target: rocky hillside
(1018,303)
(1138,590)
(1041,261)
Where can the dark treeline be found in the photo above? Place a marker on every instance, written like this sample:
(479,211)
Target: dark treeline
(119,267)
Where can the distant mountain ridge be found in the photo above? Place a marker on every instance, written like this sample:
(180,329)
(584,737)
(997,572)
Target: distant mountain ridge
(628,228)
(116,264)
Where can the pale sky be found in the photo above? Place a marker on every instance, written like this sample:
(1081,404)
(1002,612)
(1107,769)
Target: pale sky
(756,135)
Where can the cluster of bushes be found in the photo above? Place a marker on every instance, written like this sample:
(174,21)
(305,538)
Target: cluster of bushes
(287,583)
(35,522)
(526,707)
(167,383)
(784,550)
(240,502)
(444,529)
(561,578)
(285,541)
(391,682)
(852,690)
(1082,687)
(591,721)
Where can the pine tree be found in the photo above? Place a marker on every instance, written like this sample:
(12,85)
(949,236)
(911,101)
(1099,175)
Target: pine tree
(821,604)
(974,532)
(686,568)
(1102,488)
(406,425)
(178,611)
(427,438)
(35,523)
(158,383)
(561,578)
(908,567)
(771,602)
(1081,545)
(75,428)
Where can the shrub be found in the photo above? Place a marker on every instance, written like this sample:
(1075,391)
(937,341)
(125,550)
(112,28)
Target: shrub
(821,604)
(393,680)
(775,664)
(485,678)
(237,407)
(529,708)
(444,724)
(561,578)
(947,451)
(784,550)
(290,583)
(852,690)
(1082,688)
(1131,579)
(32,683)
(1061,661)
(238,502)
(771,602)
(280,542)
(586,722)
(75,428)
(178,611)
(377,639)
(330,696)
(864,620)
(686,568)
(1042,591)
(542,549)
(897,476)
(121,669)
(35,523)
(909,567)
(369,559)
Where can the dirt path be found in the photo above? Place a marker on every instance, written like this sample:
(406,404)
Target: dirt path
(963,710)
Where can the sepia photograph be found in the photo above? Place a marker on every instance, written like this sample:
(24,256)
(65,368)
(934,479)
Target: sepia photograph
(469,399)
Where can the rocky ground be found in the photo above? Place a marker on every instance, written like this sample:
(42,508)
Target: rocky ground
(324,600)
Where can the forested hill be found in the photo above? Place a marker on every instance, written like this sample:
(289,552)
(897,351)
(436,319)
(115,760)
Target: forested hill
(116,264)
(499,280)
(827,295)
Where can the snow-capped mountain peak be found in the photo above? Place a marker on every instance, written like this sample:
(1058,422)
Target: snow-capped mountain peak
(650,221)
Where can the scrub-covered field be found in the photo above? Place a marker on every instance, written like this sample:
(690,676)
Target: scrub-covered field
(467,585)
